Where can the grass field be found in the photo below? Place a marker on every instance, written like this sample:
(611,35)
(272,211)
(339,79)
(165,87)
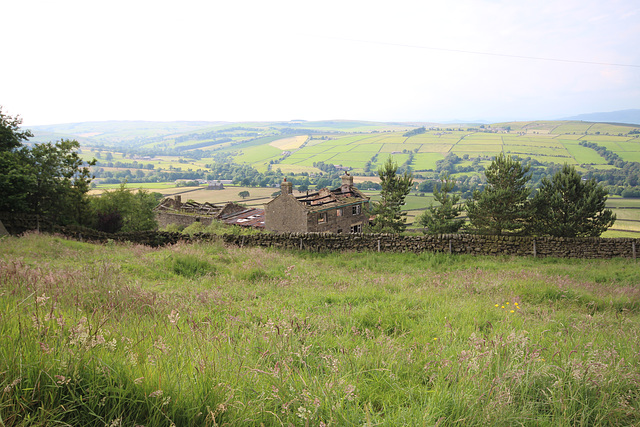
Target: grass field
(205,334)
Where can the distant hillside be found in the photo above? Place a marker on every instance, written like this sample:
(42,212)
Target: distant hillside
(621,116)
(141,133)
(116,132)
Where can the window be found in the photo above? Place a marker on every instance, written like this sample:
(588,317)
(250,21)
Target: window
(356,210)
(322,218)
(339,212)
(356,228)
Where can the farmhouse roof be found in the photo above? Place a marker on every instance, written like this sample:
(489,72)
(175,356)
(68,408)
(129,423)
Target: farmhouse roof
(250,217)
(324,199)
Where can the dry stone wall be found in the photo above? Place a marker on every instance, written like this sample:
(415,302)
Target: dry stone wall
(588,247)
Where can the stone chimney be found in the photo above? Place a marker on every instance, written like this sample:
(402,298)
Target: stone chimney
(178,201)
(347,182)
(286,187)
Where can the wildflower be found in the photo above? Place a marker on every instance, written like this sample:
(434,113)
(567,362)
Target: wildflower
(497,305)
(157,393)
(45,348)
(507,303)
(515,303)
(42,299)
(512,311)
(174,316)
(502,306)
(138,380)
(162,346)
(10,387)
(302,412)
(435,339)
(62,380)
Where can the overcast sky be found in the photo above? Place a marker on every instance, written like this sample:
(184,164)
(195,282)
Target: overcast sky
(72,61)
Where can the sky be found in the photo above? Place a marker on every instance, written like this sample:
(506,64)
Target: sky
(70,61)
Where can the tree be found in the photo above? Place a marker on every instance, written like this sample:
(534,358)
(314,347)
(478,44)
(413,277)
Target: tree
(389,217)
(60,182)
(442,219)
(567,206)
(11,137)
(124,210)
(48,180)
(244,194)
(503,205)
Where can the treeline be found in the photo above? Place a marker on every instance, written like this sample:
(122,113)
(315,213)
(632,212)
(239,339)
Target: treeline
(624,180)
(565,205)
(413,132)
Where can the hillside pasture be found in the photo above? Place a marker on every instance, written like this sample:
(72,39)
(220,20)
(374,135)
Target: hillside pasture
(290,143)
(260,154)
(257,195)
(426,161)
(582,155)
(612,128)
(208,334)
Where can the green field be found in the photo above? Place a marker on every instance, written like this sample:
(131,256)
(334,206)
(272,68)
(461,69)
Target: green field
(204,334)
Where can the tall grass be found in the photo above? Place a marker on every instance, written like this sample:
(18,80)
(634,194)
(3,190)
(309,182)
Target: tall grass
(208,335)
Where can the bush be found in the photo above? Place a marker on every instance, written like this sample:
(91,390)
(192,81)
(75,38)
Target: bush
(196,227)
(174,228)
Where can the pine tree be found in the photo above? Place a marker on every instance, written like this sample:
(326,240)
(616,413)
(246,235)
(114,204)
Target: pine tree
(567,206)
(389,217)
(503,206)
(442,219)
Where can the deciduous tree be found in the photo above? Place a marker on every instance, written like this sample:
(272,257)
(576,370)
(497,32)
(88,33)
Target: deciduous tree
(48,180)
(124,210)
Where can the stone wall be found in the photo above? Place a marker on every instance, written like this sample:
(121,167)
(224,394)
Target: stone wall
(449,243)
(165,218)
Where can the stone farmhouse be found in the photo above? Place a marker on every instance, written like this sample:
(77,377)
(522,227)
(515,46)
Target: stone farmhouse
(173,211)
(340,211)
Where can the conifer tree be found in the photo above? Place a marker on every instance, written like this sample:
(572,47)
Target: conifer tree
(442,219)
(389,217)
(502,207)
(567,206)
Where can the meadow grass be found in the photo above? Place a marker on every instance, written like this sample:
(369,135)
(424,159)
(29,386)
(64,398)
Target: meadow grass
(205,334)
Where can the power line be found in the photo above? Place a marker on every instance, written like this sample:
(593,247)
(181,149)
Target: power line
(473,52)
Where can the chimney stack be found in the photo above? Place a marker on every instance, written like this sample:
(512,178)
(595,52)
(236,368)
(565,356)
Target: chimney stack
(347,182)
(286,187)
(178,201)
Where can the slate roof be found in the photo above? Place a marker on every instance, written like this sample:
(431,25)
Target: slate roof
(250,217)
(327,199)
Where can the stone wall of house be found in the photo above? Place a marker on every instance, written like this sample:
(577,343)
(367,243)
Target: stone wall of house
(284,213)
(165,218)
(333,223)
(448,243)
